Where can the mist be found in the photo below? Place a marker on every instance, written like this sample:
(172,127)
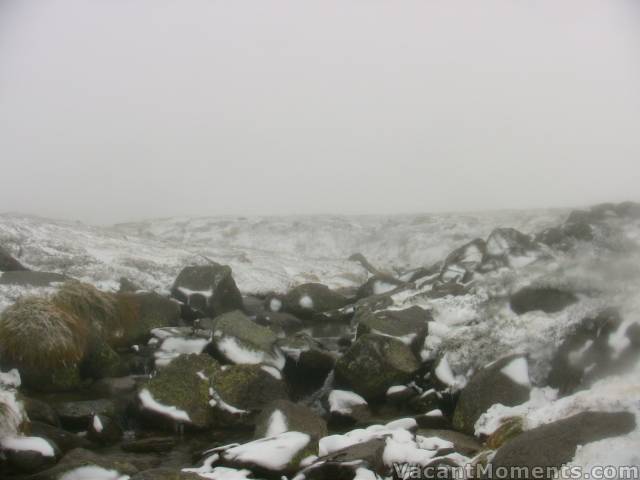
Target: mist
(121,110)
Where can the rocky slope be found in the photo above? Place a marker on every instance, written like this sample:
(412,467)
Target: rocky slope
(494,340)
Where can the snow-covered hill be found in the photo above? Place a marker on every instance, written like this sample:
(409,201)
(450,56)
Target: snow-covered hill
(266,253)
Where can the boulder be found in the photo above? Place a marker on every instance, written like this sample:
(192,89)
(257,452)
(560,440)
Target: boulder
(81,463)
(566,236)
(463,444)
(546,299)
(309,299)
(379,284)
(165,474)
(78,415)
(308,362)
(279,322)
(509,247)
(505,381)
(150,445)
(284,416)
(240,392)
(128,286)
(347,409)
(8,263)
(29,454)
(208,289)
(65,441)
(463,261)
(35,332)
(104,430)
(343,464)
(555,444)
(374,363)
(239,340)
(143,311)
(410,325)
(179,393)
(39,411)
(584,351)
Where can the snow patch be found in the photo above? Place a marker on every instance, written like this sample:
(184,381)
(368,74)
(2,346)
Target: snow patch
(153,405)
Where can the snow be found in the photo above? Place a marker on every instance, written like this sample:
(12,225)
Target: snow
(273,453)
(277,424)
(365,474)
(97,424)
(93,472)
(445,374)
(518,371)
(381,287)
(397,389)
(224,473)
(28,444)
(13,414)
(172,412)
(306,302)
(172,347)
(217,402)
(275,305)
(342,401)
(273,371)
(237,353)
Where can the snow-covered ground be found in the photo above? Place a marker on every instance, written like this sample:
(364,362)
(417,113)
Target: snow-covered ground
(265,253)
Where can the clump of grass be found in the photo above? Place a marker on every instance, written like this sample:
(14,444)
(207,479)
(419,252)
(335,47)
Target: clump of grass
(36,334)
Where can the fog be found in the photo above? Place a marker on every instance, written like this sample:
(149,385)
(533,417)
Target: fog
(131,109)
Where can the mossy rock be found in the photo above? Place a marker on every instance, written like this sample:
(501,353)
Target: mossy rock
(244,391)
(184,384)
(44,342)
(101,361)
(374,363)
(508,430)
(258,342)
(409,325)
(291,416)
(142,312)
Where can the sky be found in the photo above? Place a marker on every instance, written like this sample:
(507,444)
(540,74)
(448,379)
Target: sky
(129,109)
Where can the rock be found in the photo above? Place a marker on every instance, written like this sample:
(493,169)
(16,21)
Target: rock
(308,362)
(64,440)
(101,361)
(39,411)
(78,415)
(150,445)
(165,474)
(410,325)
(342,465)
(375,363)
(586,348)
(426,401)
(115,387)
(281,321)
(81,463)
(309,299)
(566,236)
(433,420)
(509,247)
(555,444)
(548,300)
(35,332)
(275,456)
(284,416)
(8,263)
(179,393)
(127,286)
(141,312)
(104,430)
(236,339)
(462,262)
(208,289)
(505,381)
(240,392)
(508,430)
(28,278)
(462,444)
(379,284)
(30,454)
(347,409)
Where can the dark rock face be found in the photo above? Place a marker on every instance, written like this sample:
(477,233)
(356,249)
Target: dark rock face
(374,363)
(77,415)
(208,289)
(309,299)
(566,236)
(31,461)
(104,430)
(165,474)
(505,246)
(66,441)
(379,284)
(555,444)
(462,262)
(296,418)
(549,300)
(8,263)
(150,445)
(145,311)
(409,325)
(308,362)
(487,387)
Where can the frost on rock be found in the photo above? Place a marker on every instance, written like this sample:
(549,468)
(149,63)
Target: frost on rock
(28,444)
(274,454)
(237,353)
(277,424)
(174,413)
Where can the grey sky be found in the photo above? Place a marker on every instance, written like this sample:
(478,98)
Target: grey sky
(125,109)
